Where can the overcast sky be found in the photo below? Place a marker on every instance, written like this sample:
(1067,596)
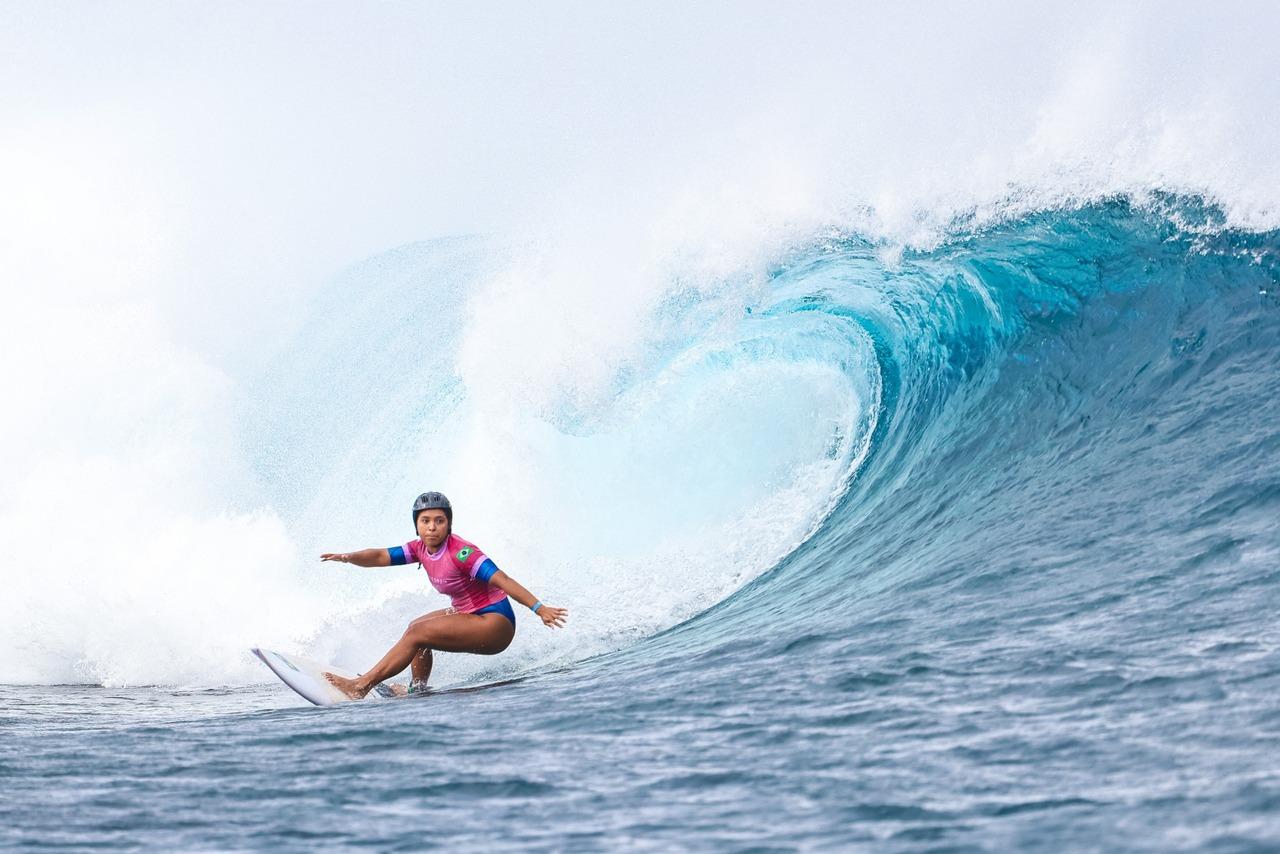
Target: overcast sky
(220,157)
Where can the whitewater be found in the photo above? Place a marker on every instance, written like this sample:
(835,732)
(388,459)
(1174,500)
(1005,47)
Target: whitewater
(890,396)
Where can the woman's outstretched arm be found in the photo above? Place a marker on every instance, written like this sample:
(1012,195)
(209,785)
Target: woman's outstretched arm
(553,617)
(364,557)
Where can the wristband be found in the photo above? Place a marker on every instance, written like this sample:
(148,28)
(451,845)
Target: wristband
(535,606)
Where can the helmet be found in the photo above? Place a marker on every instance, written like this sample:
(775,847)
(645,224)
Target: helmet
(432,501)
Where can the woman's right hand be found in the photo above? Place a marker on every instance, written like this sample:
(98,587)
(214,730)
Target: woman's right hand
(342,558)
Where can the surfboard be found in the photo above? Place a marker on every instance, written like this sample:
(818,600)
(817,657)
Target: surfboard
(307,677)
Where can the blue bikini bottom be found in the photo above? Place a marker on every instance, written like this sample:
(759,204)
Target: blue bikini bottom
(502,607)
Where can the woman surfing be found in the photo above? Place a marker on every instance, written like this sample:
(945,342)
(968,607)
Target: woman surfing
(480,620)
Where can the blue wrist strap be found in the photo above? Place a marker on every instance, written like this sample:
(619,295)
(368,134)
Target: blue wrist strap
(535,606)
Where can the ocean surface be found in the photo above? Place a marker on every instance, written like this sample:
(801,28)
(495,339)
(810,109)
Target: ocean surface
(970,547)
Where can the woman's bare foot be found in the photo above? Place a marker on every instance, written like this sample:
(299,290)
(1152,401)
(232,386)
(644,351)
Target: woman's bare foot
(398,689)
(350,687)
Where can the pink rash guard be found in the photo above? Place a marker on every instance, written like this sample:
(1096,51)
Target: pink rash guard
(452,571)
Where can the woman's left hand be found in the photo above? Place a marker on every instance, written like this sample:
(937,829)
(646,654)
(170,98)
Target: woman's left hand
(553,618)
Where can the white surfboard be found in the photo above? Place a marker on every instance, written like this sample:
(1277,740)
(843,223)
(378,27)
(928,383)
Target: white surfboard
(307,677)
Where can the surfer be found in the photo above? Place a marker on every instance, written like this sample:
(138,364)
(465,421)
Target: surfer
(481,619)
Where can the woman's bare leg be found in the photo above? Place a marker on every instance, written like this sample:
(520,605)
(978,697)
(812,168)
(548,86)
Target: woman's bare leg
(482,635)
(421,668)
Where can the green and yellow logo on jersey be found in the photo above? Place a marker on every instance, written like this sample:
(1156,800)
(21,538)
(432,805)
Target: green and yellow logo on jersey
(464,554)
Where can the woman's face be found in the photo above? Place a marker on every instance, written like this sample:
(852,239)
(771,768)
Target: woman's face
(433,527)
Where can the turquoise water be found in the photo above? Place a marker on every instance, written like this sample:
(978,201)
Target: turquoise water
(1033,606)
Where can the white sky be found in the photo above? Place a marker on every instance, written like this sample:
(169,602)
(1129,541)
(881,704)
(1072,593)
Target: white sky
(222,158)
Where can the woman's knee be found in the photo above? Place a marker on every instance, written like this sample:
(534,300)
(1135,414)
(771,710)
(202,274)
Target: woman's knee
(419,634)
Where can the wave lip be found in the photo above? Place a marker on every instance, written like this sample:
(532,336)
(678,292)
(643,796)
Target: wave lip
(1074,401)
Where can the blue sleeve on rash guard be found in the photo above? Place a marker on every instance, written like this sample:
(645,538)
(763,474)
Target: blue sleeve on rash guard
(397,555)
(486,571)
